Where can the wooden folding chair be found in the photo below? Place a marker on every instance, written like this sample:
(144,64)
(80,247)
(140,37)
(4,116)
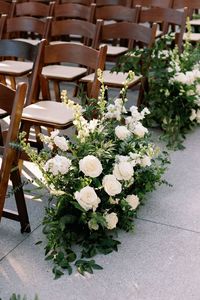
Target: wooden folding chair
(110,14)
(17,59)
(134,33)
(12,102)
(169,18)
(85,32)
(52,114)
(58,60)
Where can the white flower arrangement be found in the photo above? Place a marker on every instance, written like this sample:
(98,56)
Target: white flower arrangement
(97,180)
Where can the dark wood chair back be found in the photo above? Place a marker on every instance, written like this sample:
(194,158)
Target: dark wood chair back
(83,2)
(34,9)
(168,17)
(16,27)
(7,8)
(111,12)
(74,11)
(132,32)
(85,32)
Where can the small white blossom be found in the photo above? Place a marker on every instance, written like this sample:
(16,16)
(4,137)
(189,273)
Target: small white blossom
(58,165)
(145,161)
(111,220)
(61,143)
(133,201)
(122,132)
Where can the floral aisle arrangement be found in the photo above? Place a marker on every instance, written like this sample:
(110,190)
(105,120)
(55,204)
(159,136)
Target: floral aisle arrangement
(96,181)
(173,93)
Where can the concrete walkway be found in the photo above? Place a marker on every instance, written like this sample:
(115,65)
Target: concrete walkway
(159,261)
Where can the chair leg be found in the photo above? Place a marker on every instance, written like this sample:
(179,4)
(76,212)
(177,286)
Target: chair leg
(57,90)
(20,200)
(143,89)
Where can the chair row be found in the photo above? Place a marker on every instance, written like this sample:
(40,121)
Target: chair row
(46,65)
(60,30)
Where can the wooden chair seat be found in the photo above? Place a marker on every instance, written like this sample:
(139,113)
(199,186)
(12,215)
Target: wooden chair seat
(15,68)
(23,57)
(193,37)
(115,50)
(60,72)
(53,113)
(195,22)
(113,79)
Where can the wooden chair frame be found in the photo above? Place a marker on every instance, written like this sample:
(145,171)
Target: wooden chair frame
(9,167)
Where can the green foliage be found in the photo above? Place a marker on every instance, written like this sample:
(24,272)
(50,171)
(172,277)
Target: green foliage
(173,87)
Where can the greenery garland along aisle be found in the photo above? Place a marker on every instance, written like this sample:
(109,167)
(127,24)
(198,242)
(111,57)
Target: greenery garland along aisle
(173,94)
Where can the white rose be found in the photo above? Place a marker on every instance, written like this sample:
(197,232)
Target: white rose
(123,171)
(111,220)
(145,161)
(122,132)
(87,198)
(58,165)
(140,130)
(133,201)
(90,166)
(61,143)
(111,185)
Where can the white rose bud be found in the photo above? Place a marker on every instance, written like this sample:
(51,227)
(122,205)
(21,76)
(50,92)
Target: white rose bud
(122,132)
(111,220)
(111,185)
(87,198)
(133,201)
(90,166)
(123,171)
